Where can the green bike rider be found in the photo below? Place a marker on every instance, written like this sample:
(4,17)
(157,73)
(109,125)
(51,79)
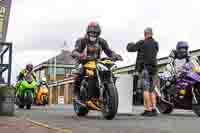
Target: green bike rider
(26,87)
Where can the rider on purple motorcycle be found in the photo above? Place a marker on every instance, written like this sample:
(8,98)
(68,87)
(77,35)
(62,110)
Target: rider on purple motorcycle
(177,59)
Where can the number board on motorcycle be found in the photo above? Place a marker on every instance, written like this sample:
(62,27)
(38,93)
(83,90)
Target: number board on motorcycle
(106,62)
(184,84)
(196,69)
(91,65)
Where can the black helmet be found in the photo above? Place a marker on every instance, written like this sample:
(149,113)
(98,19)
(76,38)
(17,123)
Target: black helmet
(182,49)
(93,31)
(29,67)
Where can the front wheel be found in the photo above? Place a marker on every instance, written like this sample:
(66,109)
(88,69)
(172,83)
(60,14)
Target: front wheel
(28,99)
(21,106)
(28,106)
(164,106)
(163,101)
(19,102)
(110,101)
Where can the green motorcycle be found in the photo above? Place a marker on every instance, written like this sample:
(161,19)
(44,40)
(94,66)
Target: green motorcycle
(26,92)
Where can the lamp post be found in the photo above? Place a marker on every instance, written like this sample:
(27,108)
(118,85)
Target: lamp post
(55,68)
(55,62)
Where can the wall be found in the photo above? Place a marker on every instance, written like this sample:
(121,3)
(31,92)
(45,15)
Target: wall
(58,77)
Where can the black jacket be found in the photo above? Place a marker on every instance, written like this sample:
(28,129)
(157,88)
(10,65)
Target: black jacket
(94,50)
(147,54)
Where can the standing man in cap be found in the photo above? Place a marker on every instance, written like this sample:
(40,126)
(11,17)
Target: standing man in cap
(146,66)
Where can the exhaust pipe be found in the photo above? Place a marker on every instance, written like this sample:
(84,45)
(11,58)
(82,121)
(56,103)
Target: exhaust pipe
(80,103)
(90,103)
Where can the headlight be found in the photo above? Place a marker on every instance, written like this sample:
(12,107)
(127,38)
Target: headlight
(80,66)
(196,69)
(90,72)
(102,67)
(113,67)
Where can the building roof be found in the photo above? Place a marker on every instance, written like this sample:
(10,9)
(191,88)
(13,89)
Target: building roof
(64,59)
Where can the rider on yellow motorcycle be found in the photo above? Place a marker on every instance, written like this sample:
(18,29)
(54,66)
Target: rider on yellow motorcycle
(91,45)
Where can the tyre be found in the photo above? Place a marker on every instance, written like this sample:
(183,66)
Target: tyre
(28,106)
(79,109)
(164,107)
(110,101)
(79,93)
(196,106)
(163,104)
(29,98)
(45,100)
(196,109)
(21,106)
(19,102)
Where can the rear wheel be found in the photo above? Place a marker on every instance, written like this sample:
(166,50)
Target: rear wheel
(79,109)
(110,101)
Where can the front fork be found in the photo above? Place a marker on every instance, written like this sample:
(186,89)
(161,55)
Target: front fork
(101,84)
(194,99)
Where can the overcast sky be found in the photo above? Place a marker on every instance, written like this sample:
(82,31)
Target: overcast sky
(38,28)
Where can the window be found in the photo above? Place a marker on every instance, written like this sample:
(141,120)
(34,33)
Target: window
(42,74)
(50,70)
(67,71)
(59,71)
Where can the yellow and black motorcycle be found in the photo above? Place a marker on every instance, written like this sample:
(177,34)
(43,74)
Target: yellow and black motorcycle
(97,89)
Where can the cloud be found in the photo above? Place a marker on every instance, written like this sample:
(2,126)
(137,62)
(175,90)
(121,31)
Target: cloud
(43,26)
(31,56)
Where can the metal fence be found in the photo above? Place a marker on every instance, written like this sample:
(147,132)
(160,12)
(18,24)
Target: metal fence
(6,66)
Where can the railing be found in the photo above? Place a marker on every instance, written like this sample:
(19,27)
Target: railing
(56,87)
(62,82)
(3,66)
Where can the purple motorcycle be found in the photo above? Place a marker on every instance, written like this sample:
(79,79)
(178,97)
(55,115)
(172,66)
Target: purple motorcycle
(181,91)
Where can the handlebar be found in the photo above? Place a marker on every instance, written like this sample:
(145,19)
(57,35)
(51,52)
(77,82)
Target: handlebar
(109,58)
(87,60)
(95,59)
